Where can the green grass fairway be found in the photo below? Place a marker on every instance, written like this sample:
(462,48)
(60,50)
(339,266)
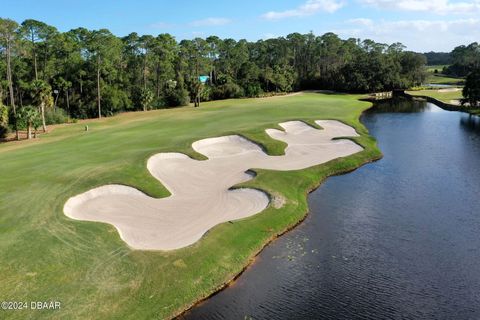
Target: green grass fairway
(46,256)
(442,79)
(438,67)
(439,78)
(439,95)
(445,97)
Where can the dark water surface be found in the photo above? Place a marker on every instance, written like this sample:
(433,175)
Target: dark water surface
(395,239)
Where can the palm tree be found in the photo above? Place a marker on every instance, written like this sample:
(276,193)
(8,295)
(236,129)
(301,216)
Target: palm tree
(30,117)
(42,95)
(146,98)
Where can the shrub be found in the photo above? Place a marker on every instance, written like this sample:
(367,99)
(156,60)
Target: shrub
(114,100)
(181,97)
(160,103)
(206,93)
(228,90)
(3,131)
(176,97)
(420,88)
(55,116)
(253,90)
(3,120)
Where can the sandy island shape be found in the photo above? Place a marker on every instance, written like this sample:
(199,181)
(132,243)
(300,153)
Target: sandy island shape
(201,194)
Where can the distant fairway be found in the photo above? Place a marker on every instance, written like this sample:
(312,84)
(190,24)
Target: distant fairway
(444,95)
(443,79)
(46,256)
(439,78)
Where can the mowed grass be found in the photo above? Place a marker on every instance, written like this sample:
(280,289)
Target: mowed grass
(46,256)
(449,97)
(444,96)
(438,67)
(439,78)
(443,79)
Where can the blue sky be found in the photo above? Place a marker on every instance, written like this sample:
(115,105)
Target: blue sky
(421,25)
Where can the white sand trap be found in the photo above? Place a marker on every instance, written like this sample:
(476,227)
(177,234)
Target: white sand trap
(201,195)
(450,90)
(455,102)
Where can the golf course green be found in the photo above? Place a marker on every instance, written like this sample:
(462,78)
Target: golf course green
(86,266)
(443,95)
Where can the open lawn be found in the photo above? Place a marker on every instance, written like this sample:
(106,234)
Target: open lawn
(443,79)
(46,256)
(439,78)
(448,96)
(438,67)
(443,95)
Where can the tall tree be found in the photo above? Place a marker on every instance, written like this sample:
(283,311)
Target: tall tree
(471,91)
(465,59)
(146,44)
(64,86)
(104,48)
(8,37)
(34,31)
(164,54)
(194,56)
(42,96)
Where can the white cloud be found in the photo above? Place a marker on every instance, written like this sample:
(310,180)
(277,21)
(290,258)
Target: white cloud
(269,35)
(308,8)
(161,25)
(460,26)
(418,35)
(210,22)
(442,7)
(361,21)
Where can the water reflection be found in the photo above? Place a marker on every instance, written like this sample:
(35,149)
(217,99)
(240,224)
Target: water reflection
(439,85)
(470,123)
(400,105)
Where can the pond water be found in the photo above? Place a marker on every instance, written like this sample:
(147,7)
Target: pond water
(438,85)
(395,239)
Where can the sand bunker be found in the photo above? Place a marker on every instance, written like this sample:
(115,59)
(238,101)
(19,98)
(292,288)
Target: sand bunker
(450,90)
(201,195)
(456,102)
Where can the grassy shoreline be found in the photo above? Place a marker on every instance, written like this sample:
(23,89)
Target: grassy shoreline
(276,236)
(86,265)
(443,100)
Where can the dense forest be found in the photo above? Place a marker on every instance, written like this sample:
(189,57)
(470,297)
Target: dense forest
(464,60)
(49,75)
(438,58)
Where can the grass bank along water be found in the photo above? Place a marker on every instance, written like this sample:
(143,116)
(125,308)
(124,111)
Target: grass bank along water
(45,255)
(448,99)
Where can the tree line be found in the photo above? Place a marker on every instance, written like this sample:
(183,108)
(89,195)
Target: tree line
(465,63)
(438,58)
(464,59)
(49,76)
(462,62)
